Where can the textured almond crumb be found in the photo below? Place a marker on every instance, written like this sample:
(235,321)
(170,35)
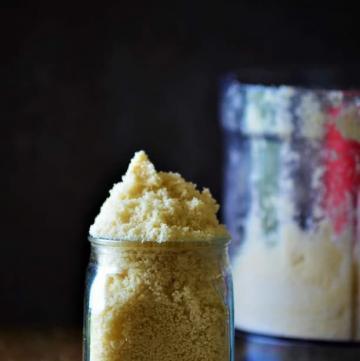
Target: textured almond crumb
(157,206)
(160,305)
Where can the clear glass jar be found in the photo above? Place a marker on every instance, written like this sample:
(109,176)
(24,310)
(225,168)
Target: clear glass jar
(151,301)
(292,186)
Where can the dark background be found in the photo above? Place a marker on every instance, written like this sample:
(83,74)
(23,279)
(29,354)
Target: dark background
(83,88)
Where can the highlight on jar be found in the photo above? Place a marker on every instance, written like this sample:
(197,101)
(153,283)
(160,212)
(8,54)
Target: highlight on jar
(292,205)
(158,283)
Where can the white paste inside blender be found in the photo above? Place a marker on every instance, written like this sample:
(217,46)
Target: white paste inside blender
(298,275)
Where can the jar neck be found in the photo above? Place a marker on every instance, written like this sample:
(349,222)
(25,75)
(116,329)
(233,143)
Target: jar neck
(113,252)
(185,243)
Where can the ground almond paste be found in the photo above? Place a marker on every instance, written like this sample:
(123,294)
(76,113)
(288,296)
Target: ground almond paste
(162,302)
(157,206)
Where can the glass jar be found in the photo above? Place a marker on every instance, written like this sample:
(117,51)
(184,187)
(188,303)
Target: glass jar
(292,186)
(158,301)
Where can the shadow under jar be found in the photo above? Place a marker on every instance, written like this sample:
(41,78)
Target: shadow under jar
(158,301)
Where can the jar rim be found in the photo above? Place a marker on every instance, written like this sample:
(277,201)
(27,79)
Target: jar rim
(116,242)
(320,90)
(314,78)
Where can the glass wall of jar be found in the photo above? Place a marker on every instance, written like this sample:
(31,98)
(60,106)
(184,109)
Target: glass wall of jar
(292,183)
(158,301)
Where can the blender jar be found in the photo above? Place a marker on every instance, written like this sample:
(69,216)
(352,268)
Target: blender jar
(291,203)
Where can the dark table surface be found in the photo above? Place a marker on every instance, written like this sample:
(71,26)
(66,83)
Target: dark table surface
(65,345)
(40,345)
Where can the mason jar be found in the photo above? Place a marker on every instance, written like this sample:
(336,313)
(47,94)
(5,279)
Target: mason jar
(291,203)
(158,301)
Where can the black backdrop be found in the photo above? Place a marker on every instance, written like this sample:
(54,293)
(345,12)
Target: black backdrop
(83,88)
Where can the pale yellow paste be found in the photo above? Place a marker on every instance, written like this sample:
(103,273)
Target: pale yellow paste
(157,206)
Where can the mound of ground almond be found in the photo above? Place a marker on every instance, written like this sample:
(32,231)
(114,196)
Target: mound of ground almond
(157,206)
